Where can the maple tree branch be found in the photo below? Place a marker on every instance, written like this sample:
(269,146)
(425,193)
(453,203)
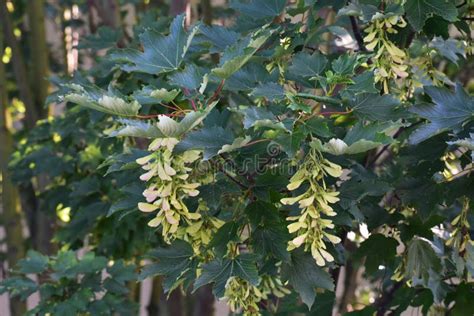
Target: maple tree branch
(357,34)
(217,92)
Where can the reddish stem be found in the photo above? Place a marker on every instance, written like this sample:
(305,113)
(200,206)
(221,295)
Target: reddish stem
(217,92)
(151,116)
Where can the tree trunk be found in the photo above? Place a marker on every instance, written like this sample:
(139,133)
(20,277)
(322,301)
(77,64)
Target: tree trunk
(10,200)
(39,73)
(108,11)
(39,58)
(206,7)
(204,302)
(19,67)
(154,307)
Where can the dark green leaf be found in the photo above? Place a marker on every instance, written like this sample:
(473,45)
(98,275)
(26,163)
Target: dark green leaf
(418,11)
(219,271)
(160,53)
(305,276)
(208,139)
(450,112)
(34,262)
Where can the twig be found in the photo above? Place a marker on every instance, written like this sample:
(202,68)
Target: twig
(460,174)
(322,99)
(240,184)
(357,34)
(151,116)
(383,302)
(193,104)
(256,142)
(334,113)
(217,92)
(410,37)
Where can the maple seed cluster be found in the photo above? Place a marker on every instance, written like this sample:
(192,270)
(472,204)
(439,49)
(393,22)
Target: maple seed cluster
(310,227)
(240,294)
(199,233)
(169,184)
(389,61)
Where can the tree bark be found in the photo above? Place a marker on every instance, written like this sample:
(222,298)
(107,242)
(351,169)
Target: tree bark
(10,199)
(204,302)
(108,11)
(40,57)
(39,72)
(19,67)
(156,298)
(206,7)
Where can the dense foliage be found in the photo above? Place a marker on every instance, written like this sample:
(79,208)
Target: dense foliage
(261,158)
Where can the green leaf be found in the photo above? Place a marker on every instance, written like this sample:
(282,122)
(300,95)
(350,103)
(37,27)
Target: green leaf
(259,9)
(269,233)
(89,263)
(305,276)
(450,112)
(209,139)
(379,250)
(470,257)
(258,117)
(271,91)
(317,126)
(421,260)
(220,270)
(239,142)
(151,95)
(375,107)
(360,138)
(290,143)
(307,66)
(417,11)
(190,78)
(133,128)
(462,297)
(18,286)
(220,37)
(106,37)
(271,240)
(223,236)
(238,55)
(450,48)
(93,97)
(173,263)
(249,76)
(34,262)
(344,65)
(363,83)
(160,53)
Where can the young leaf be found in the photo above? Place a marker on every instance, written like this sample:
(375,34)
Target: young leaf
(93,97)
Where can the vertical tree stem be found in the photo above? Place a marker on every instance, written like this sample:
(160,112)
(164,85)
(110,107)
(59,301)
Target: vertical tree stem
(10,199)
